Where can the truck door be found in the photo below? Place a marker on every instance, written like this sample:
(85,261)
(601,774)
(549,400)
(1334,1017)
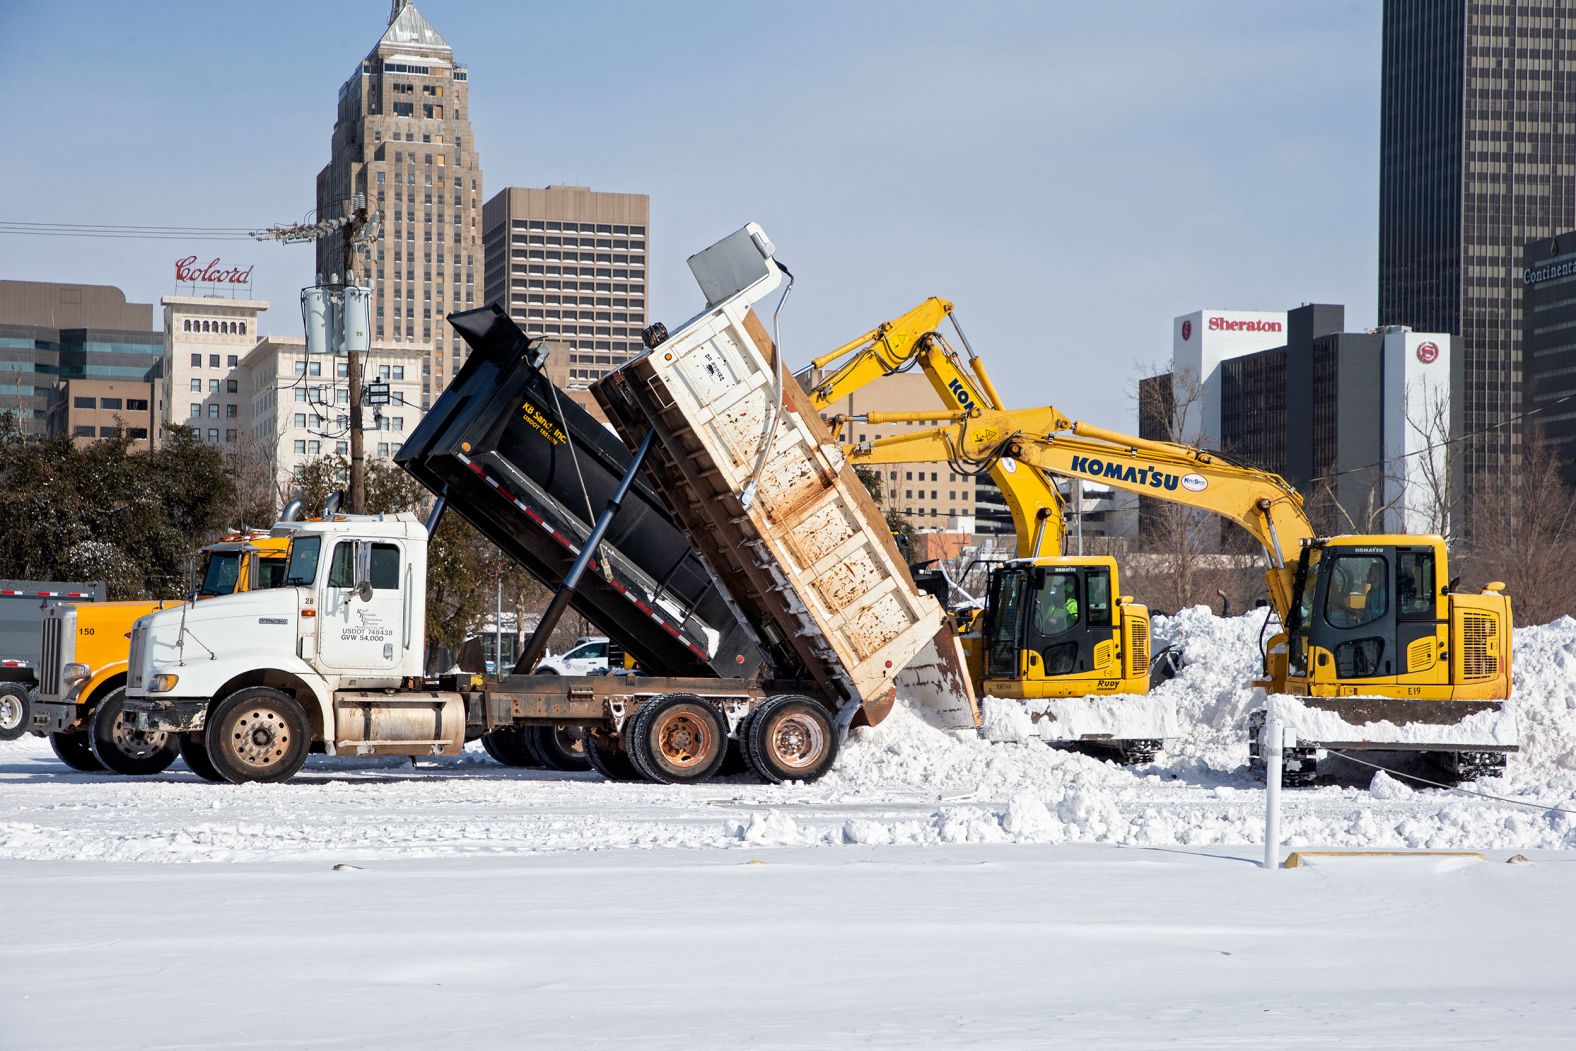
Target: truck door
(356,633)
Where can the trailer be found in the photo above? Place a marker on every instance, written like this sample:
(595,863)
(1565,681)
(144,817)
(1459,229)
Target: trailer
(790,618)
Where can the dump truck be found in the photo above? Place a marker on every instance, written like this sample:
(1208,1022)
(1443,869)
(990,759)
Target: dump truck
(787,621)
(84,652)
(23,607)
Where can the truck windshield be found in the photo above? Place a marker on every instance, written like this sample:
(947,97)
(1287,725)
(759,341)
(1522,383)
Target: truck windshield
(302,570)
(224,569)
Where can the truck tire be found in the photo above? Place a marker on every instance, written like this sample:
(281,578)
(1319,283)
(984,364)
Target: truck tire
(557,747)
(790,738)
(16,710)
(677,739)
(120,746)
(606,758)
(257,734)
(508,745)
(194,751)
(73,750)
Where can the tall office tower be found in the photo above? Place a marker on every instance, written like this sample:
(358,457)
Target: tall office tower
(569,263)
(1477,158)
(403,138)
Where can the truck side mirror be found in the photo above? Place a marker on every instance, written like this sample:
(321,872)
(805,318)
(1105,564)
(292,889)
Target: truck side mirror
(363,574)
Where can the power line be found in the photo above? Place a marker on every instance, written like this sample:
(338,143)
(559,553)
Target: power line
(125,226)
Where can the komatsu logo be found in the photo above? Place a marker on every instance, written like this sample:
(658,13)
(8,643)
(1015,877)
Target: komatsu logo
(962,396)
(1153,477)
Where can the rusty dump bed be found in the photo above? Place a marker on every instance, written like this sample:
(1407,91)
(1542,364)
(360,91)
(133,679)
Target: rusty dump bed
(810,560)
(511,458)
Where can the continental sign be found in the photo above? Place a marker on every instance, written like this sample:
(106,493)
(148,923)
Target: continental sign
(1137,475)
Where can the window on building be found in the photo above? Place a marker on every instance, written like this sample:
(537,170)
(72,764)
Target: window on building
(196,411)
(213,410)
(314,447)
(213,361)
(139,432)
(232,386)
(213,436)
(196,361)
(342,448)
(109,403)
(243,328)
(300,419)
(137,404)
(213,386)
(231,411)
(232,360)
(188,325)
(83,431)
(300,447)
(383,450)
(84,403)
(229,436)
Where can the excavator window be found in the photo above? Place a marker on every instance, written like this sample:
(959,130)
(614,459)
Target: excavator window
(1359,591)
(1004,621)
(1055,602)
(1097,584)
(1414,584)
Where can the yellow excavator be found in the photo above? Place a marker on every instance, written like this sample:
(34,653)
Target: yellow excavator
(1372,627)
(1101,638)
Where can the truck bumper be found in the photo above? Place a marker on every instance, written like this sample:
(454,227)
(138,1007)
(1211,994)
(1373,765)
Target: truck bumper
(167,714)
(50,717)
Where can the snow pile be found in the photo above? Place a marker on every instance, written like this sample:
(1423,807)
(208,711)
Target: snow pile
(1213,693)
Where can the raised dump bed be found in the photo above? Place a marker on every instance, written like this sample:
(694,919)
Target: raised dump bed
(530,469)
(756,481)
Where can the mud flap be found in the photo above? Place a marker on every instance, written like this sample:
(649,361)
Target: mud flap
(936,683)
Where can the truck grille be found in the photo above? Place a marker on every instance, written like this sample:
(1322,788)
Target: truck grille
(50,660)
(1138,648)
(1479,645)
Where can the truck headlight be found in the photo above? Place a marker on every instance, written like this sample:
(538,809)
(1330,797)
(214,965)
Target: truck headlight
(162,683)
(75,674)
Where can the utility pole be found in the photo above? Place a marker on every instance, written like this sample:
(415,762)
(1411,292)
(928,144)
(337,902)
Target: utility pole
(358,227)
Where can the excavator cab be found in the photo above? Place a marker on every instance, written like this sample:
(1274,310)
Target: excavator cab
(1375,615)
(1058,627)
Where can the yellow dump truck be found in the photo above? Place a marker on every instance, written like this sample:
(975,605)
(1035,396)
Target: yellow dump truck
(82,672)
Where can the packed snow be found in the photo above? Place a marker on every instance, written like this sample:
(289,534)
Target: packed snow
(936,888)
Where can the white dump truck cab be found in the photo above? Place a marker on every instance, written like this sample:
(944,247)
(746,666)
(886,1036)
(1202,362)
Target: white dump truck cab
(330,661)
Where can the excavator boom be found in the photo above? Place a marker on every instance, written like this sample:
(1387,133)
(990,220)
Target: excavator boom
(914,340)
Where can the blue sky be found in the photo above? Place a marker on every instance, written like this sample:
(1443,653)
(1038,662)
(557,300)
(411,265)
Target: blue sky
(1072,175)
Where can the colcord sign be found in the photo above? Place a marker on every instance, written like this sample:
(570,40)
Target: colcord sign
(1428,352)
(213,272)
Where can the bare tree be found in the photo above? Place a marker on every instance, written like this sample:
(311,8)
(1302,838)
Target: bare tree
(1523,532)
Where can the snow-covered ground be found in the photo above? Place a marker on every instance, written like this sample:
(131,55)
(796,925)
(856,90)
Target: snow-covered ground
(960,893)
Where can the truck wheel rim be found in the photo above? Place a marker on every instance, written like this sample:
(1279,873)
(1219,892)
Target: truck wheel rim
(569,740)
(259,737)
(138,744)
(684,739)
(10,711)
(798,741)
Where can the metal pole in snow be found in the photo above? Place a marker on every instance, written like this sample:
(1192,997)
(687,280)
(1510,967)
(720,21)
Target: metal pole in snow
(1270,745)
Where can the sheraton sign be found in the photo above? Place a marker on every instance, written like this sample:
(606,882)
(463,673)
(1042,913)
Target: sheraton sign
(214,272)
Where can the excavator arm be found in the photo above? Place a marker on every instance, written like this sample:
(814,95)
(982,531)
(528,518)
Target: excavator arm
(1261,502)
(911,341)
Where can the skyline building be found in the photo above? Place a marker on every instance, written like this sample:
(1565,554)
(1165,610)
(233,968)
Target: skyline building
(403,138)
(1477,158)
(569,264)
